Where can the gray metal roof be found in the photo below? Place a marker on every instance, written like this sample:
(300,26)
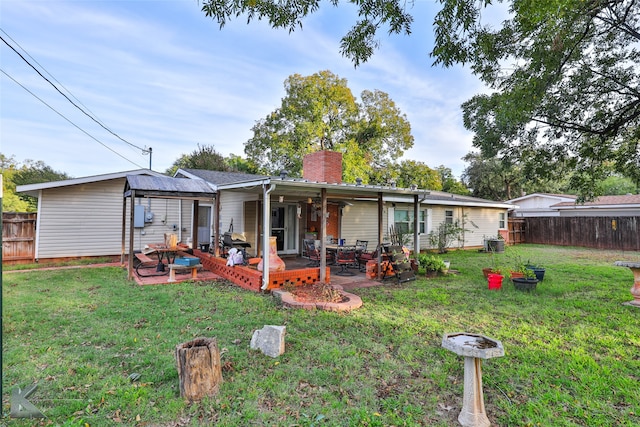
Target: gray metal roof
(219,177)
(166,187)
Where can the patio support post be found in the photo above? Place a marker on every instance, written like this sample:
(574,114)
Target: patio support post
(266,232)
(380,233)
(194,229)
(124,225)
(416,223)
(216,226)
(323,236)
(131,223)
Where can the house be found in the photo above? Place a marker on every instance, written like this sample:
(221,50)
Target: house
(353,211)
(83,217)
(562,205)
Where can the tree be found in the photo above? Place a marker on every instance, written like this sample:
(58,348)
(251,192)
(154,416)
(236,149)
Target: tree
(498,179)
(319,112)
(617,185)
(449,183)
(564,74)
(30,172)
(570,92)
(204,157)
(491,178)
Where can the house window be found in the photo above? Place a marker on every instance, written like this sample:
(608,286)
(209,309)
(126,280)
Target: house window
(448,217)
(403,220)
(502,220)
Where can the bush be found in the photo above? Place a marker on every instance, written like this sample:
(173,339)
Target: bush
(431,262)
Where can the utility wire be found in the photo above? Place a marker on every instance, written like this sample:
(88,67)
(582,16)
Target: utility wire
(50,75)
(144,150)
(76,126)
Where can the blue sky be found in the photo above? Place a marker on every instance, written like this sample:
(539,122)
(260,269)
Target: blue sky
(161,74)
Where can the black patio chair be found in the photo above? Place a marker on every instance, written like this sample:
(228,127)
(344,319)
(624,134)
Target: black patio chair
(345,258)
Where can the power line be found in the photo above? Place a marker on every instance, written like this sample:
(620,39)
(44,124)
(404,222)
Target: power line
(144,150)
(50,75)
(76,126)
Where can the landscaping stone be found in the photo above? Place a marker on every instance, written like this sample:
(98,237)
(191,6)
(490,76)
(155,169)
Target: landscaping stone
(269,340)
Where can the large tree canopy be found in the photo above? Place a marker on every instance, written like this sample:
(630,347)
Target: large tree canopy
(564,74)
(319,112)
(204,157)
(566,80)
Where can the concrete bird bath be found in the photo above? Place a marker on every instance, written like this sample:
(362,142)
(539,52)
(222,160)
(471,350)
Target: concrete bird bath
(474,348)
(635,289)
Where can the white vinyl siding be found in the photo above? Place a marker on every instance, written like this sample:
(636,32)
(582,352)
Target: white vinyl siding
(86,220)
(478,222)
(360,222)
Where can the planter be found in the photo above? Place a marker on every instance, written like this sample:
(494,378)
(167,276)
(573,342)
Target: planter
(495,281)
(524,284)
(431,273)
(495,245)
(538,271)
(516,275)
(275,262)
(487,271)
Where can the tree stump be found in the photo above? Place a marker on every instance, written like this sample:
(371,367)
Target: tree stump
(199,368)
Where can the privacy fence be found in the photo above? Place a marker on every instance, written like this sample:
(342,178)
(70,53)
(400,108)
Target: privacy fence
(617,233)
(18,237)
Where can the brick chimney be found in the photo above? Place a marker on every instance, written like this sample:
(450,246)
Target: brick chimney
(323,166)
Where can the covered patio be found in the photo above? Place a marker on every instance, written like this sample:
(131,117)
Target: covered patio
(265,191)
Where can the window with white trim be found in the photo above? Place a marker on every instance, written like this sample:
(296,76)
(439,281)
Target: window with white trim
(448,216)
(403,220)
(502,222)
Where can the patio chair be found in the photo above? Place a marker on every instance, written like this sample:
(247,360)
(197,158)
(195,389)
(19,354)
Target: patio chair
(346,258)
(313,254)
(362,256)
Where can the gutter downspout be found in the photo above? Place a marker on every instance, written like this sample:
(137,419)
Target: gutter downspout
(266,232)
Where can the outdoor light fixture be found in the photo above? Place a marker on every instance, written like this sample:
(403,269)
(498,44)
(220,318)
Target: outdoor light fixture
(281,199)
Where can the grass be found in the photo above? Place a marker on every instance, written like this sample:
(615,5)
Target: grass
(572,349)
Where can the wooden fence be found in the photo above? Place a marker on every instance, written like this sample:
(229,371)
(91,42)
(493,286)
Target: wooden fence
(18,237)
(517,229)
(618,233)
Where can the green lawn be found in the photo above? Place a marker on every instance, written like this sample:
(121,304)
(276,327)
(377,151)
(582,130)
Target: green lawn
(572,349)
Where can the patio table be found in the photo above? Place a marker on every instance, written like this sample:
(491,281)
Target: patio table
(163,251)
(635,289)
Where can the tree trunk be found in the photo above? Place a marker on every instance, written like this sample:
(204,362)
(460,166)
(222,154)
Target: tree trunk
(199,368)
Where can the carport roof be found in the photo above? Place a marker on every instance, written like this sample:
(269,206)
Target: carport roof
(166,187)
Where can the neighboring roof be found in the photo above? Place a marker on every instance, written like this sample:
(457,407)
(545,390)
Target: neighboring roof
(167,187)
(34,189)
(442,198)
(562,197)
(629,200)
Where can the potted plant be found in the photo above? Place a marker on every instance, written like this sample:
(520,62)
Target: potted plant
(526,283)
(495,267)
(518,268)
(537,270)
(432,264)
(494,279)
